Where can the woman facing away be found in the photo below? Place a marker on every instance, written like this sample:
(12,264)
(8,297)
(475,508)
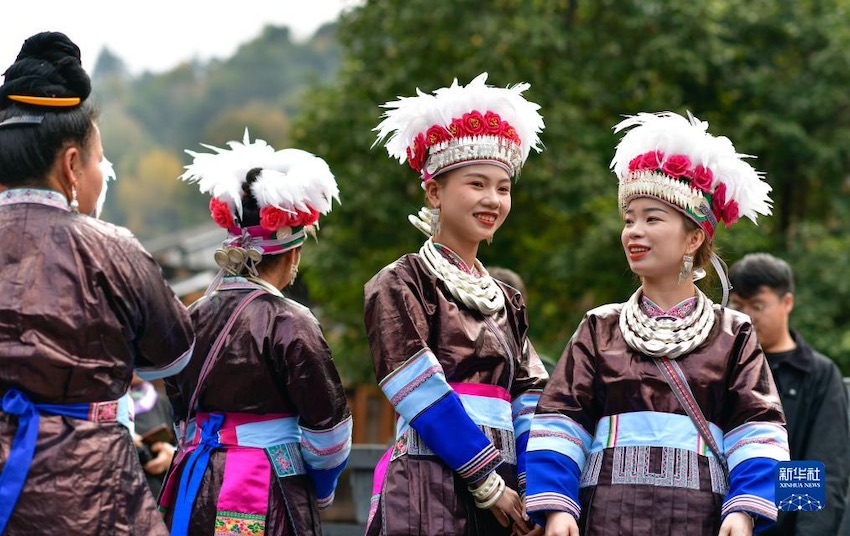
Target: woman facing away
(82,305)
(265,424)
(449,343)
(661,416)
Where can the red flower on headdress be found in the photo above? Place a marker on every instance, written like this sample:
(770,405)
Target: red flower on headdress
(273,218)
(718,200)
(492,123)
(435,135)
(648,161)
(455,128)
(306,218)
(730,212)
(703,177)
(416,154)
(676,166)
(509,132)
(652,160)
(220,212)
(473,123)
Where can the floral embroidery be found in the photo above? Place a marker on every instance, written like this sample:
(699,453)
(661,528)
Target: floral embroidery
(104,411)
(34,195)
(239,524)
(286,460)
(456,261)
(677,312)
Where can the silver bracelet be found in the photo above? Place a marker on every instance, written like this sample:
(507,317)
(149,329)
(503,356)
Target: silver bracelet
(487,488)
(497,494)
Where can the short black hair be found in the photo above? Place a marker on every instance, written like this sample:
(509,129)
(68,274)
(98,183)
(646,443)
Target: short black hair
(756,270)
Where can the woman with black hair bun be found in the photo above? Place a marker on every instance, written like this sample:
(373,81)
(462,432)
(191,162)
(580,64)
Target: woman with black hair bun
(264,425)
(82,305)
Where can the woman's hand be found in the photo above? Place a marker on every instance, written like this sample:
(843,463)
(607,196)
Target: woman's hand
(164,454)
(737,524)
(536,531)
(510,511)
(561,524)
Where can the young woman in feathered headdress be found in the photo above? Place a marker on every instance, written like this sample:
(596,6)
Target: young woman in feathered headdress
(661,416)
(448,341)
(265,426)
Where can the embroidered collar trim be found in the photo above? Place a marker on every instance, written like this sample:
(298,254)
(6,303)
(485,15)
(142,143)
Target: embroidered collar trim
(51,198)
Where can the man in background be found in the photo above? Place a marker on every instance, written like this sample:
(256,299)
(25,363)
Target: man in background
(810,387)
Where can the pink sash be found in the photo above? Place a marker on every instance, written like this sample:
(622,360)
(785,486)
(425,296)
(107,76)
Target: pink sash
(249,441)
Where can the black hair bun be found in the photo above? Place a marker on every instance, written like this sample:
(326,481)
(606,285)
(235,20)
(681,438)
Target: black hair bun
(48,65)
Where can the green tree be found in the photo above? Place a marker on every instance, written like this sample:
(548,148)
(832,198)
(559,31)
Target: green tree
(769,75)
(153,200)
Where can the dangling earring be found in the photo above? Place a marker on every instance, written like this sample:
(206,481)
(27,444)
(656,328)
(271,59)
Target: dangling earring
(75,205)
(687,268)
(435,221)
(293,274)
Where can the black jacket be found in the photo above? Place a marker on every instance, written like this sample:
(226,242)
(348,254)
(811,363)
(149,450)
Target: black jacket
(815,403)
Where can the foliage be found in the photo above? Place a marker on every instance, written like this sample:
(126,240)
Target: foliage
(770,75)
(156,116)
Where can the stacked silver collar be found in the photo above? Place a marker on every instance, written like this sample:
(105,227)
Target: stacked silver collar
(665,337)
(479,293)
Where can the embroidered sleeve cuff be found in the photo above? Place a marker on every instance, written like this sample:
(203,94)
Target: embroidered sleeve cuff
(559,433)
(752,490)
(415,385)
(552,485)
(756,440)
(481,465)
(447,429)
(326,502)
(764,510)
(327,449)
(522,411)
(537,506)
(419,392)
(325,482)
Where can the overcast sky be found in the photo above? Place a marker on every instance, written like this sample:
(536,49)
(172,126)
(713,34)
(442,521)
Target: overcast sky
(156,35)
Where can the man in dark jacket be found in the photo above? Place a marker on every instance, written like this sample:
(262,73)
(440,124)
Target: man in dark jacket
(810,386)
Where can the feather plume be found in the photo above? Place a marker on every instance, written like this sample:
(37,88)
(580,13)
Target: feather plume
(673,134)
(290,179)
(407,117)
(108,175)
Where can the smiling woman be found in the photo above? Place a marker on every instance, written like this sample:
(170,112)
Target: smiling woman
(449,343)
(661,416)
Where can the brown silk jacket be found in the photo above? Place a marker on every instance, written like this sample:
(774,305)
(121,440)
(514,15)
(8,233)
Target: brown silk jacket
(81,305)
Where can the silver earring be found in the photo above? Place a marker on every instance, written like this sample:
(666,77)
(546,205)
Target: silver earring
(435,221)
(75,205)
(293,274)
(687,268)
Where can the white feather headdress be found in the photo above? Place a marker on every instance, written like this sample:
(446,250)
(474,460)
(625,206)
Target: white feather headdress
(108,175)
(296,184)
(673,158)
(459,124)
